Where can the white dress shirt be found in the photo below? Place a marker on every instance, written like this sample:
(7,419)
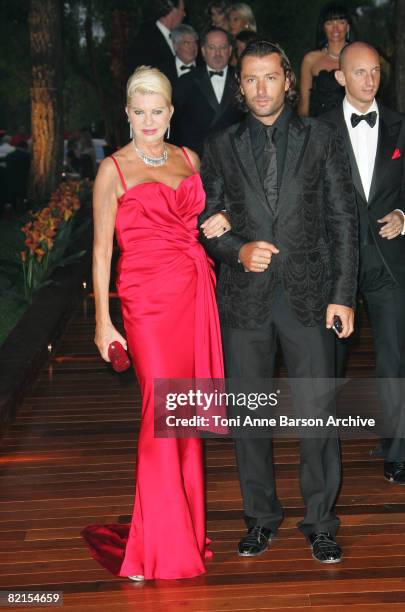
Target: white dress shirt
(364,139)
(179,63)
(166,33)
(218,82)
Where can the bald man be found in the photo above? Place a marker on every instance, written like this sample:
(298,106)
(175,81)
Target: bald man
(375,141)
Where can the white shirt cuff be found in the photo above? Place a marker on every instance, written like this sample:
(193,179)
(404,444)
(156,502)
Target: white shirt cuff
(403,226)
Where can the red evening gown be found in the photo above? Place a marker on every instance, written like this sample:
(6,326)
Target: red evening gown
(166,286)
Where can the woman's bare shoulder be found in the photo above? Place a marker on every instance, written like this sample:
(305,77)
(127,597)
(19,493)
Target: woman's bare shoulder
(312,57)
(194,157)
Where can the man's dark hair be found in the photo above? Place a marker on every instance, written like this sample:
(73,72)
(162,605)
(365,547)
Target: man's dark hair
(261,48)
(212,29)
(164,7)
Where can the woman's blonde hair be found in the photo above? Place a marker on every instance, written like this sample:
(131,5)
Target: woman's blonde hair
(246,13)
(148,80)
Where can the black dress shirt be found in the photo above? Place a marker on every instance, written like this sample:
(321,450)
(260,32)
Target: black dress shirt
(257,131)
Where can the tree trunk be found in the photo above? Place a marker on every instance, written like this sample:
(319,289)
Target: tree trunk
(45,21)
(400,54)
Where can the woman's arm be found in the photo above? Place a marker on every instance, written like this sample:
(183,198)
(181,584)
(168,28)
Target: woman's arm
(305,84)
(104,213)
(217,224)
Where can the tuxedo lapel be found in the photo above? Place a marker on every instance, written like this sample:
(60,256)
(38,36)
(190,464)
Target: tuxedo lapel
(227,95)
(387,140)
(298,135)
(348,144)
(242,146)
(203,81)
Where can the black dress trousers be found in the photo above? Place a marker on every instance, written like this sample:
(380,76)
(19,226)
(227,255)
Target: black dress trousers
(309,354)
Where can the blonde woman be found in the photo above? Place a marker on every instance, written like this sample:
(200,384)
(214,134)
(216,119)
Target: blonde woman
(151,193)
(241,17)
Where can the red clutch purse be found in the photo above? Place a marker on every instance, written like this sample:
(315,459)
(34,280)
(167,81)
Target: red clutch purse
(118,356)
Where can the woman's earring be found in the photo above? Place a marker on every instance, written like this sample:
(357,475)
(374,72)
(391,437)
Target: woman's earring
(131,132)
(168,132)
(348,35)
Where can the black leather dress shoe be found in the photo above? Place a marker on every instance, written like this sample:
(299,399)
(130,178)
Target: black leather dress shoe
(255,542)
(394,471)
(325,548)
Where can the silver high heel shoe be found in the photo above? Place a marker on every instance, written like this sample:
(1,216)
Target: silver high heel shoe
(138,578)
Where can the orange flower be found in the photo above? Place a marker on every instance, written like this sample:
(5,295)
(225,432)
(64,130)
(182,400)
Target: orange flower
(40,254)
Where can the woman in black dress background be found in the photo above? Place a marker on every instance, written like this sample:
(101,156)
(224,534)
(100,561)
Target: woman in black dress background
(319,90)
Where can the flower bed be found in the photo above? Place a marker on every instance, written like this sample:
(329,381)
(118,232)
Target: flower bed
(49,238)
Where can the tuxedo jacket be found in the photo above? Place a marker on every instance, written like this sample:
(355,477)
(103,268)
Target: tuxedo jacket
(149,48)
(197,112)
(169,69)
(387,191)
(314,224)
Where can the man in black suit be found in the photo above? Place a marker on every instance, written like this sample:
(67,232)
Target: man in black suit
(288,267)
(153,45)
(204,100)
(374,138)
(185,43)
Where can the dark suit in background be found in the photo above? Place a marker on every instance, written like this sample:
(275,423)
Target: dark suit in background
(197,110)
(170,70)
(314,224)
(149,48)
(382,265)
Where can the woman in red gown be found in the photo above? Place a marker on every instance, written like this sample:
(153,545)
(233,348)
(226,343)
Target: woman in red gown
(151,193)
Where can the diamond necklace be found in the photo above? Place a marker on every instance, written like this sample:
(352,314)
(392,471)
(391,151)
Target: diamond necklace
(332,55)
(151,161)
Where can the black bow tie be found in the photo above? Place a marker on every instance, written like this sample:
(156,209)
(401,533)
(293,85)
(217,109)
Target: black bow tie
(184,67)
(215,73)
(371,118)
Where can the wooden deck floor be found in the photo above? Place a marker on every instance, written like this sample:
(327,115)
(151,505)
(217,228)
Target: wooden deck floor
(68,461)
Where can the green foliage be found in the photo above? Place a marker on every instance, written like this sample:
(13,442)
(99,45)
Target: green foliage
(19,280)
(292,23)
(14,65)
(10,313)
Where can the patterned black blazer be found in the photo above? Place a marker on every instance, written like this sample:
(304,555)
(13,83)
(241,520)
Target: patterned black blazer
(314,224)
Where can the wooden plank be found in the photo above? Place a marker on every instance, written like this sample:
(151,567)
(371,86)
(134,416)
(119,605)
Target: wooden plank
(77,428)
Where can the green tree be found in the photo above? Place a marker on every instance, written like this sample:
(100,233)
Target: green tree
(15,66)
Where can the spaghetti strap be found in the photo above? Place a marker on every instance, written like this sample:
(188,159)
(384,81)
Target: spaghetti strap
(187,156)
(119,172)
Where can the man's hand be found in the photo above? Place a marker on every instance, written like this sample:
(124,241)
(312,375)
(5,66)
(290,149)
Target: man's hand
(256,256)
(345,314)
(393,225)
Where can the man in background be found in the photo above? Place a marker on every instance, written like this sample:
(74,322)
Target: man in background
(204,100)
(153,45)
(185,43)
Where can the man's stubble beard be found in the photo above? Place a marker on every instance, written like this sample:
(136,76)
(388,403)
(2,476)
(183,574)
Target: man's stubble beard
(266,113)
